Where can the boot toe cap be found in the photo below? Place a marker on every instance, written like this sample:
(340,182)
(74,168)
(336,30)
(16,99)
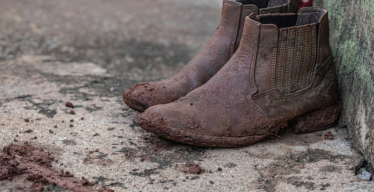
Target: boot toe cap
(151,120)
(171,123)
(162,122)
(137,98)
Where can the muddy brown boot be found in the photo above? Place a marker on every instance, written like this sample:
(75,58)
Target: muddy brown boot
(210,60)
(282,72)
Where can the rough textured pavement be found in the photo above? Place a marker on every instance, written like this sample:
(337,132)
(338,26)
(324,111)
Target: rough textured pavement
(88,52)
(352,41)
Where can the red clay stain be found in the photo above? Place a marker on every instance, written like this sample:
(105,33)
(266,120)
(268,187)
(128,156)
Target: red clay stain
(17,160)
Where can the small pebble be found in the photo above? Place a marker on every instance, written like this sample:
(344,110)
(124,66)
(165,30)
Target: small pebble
(364,174)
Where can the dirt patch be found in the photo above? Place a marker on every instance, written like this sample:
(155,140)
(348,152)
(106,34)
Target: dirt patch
(69,142)
(165,153)
(43,107)
(106,190)
(189,168)
(298,183)
(230,165)
(96,157)
(17,160)
(193,168)
(292,164)
(330,168)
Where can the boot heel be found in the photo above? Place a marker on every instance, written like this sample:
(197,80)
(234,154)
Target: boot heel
(316,120)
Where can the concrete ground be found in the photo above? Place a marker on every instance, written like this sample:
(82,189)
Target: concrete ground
(88,52)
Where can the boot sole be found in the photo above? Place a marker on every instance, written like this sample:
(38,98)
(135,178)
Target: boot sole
(316,120)
(310,122)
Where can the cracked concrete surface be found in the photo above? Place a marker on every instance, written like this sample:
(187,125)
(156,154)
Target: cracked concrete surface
(88,52)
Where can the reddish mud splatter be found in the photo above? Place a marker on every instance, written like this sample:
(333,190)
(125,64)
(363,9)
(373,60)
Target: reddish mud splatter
(69,104)
(18,160)
(329,136)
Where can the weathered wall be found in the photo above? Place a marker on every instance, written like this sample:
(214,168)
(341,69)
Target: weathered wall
(352,41)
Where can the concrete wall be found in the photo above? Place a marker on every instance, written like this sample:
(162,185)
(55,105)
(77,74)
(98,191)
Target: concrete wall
(352,40)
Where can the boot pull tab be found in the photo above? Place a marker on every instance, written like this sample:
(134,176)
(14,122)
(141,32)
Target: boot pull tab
(254,17)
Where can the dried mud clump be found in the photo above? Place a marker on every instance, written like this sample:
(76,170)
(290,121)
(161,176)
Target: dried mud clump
(17,160)
(28,131)
(329,136)
(69,104)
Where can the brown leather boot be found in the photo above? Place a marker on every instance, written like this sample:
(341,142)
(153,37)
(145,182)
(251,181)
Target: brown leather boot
(282,72)
(210,60)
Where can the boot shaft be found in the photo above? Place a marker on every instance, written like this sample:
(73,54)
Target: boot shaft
(288,58)
(234,13)
(291,48)
(272,6)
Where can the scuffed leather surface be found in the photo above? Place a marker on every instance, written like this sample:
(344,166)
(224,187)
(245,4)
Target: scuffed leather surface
(266,58)
(198,71)
(220,108)
(206,64)
(230,106)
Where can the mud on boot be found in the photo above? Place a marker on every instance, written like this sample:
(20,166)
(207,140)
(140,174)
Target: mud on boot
(212,57)
(283,70)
